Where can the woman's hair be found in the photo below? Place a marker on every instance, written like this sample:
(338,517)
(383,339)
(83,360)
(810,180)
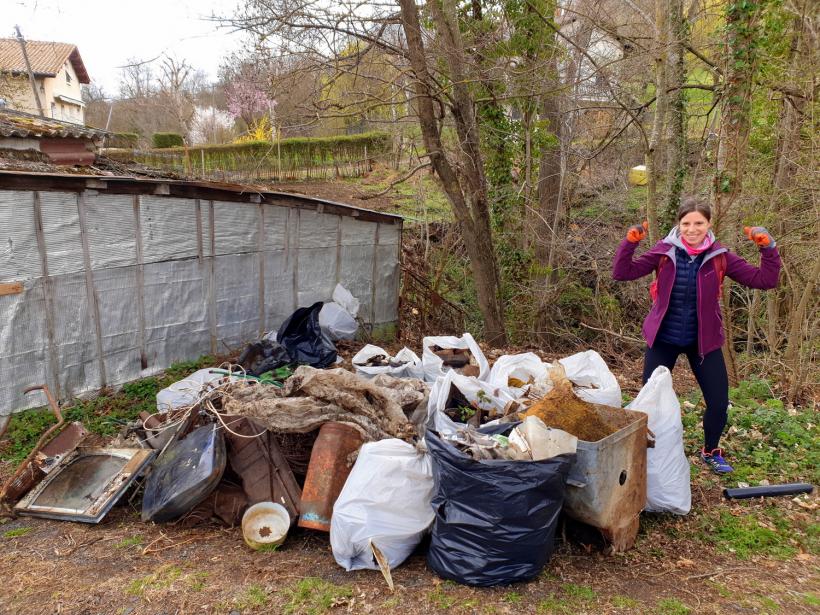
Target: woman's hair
(688,204)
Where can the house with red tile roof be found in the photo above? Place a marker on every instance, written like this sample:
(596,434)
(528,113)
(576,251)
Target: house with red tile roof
(58,72)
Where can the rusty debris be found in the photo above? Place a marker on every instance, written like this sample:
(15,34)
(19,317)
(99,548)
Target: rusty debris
(85,484)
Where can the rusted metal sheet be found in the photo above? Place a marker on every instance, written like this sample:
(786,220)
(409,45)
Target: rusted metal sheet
(67,151)
(259,462)
(44,461)
(85,485)
(330,465)
(606,487)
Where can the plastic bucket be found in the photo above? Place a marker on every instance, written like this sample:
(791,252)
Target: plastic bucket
(265,524)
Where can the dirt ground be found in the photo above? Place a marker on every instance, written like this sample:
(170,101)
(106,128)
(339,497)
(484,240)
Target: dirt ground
(124,566)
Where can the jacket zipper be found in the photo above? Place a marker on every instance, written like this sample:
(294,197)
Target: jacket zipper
(675,269)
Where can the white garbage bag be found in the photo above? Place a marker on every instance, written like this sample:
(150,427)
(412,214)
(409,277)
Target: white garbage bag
(386,500)
(343,297)
(527,368)
(667,473)
(337,322)
(337,318)
(478,393)
(594,382)
(433,365)
(407,363)
(186,391)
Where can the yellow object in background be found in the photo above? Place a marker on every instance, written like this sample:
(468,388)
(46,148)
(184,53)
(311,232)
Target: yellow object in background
(637,176)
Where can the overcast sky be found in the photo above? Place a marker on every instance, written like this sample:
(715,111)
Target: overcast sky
(109,32)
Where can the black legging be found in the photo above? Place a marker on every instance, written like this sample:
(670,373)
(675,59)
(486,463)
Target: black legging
(711,376)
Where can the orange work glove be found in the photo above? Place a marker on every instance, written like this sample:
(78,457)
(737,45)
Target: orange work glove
(760,236)
(637,232)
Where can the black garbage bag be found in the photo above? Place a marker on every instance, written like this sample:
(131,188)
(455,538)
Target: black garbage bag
(185,474)
(304,339)
(263,356)
(495,520)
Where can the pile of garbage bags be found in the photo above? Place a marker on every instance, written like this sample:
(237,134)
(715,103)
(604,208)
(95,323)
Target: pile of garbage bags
(481,457)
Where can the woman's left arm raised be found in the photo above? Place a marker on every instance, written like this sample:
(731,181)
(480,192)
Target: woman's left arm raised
(764,277)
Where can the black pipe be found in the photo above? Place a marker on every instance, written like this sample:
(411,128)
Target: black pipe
(742,493)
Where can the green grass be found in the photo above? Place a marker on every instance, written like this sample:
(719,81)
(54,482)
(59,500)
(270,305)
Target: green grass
(765,440)
(552,604)
(419,198)
(313,596)
(751,533)
(196,581)
(132,541)
(671,606)
(579,592)
(104,415)
(440,599)
(624,602)
(769,605)
(512,597)
(160,579)
(17,532)
(252,597)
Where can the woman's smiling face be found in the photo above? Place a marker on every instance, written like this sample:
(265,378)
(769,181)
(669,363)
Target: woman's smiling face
(693,228)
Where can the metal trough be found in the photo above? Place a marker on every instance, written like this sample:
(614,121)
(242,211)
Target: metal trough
(606,487)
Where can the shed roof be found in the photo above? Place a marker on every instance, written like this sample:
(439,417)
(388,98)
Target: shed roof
(20,124)
(208,191)
(46,58)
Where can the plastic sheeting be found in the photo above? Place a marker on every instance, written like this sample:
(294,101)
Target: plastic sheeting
(494,520)
(138,281)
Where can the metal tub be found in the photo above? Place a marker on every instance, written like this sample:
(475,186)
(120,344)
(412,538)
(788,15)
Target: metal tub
(606,487)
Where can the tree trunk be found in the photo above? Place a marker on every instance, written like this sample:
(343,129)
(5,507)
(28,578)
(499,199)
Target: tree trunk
(470,204)
(794,342)
(677,166)
(740,64)
(654,150)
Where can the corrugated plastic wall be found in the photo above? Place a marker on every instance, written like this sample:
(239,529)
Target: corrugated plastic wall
(117,287)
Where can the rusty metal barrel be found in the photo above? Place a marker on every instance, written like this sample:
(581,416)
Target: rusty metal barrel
(327,472)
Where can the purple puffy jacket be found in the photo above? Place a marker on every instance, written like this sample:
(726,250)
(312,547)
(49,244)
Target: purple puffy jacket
(710,321)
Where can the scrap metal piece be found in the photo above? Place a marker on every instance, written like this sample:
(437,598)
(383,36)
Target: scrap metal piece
(46,452)
(43,461)
(259,462)
(86,484)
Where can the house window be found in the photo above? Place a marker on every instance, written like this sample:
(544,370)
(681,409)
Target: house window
(53,109)
(67,77)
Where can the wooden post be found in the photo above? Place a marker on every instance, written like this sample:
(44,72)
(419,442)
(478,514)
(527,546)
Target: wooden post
(31,79)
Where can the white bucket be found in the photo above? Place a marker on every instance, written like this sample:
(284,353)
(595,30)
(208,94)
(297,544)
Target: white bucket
(265,524)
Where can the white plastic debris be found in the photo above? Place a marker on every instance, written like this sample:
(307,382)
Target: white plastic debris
(592,379)
(479,394)
(433,365)
(384,502)
(338,317)
(527,369)
(668,486)
(186,391)
(405,364)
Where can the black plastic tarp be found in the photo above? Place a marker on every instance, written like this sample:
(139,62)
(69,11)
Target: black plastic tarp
(304,339)
(263,356)
(495,519)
